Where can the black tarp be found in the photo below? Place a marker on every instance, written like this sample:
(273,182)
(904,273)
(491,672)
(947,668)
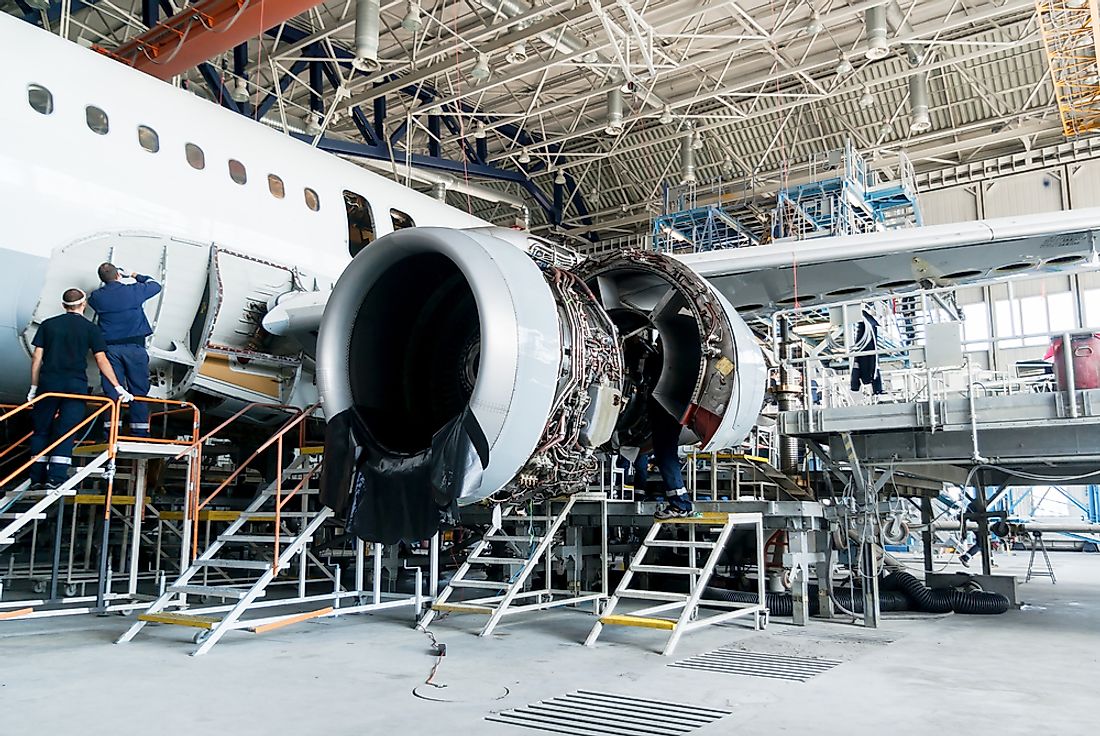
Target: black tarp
(390,497)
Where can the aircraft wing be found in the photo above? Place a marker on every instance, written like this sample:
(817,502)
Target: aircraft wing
(759,280)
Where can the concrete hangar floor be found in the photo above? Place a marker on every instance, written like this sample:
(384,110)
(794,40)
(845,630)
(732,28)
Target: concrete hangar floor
(1029,671)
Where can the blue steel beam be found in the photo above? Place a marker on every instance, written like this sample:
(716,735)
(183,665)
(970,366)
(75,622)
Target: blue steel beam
(217,88)
(364,126)
(426,95)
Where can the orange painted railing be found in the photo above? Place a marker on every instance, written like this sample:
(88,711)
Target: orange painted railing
(296,422)
(106,406)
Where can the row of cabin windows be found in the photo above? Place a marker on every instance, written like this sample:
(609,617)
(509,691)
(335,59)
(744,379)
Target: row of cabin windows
(41,100)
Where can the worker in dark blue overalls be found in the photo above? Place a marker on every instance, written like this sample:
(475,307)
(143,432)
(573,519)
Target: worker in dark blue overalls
(122,319)
(58,366)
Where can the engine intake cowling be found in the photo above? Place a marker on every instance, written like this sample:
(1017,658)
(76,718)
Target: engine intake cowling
(460,365)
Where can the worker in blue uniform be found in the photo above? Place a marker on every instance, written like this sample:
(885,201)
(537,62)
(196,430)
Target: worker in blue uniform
(58,365)
(125,327)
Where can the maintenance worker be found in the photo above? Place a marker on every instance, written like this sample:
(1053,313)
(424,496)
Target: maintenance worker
(58,365)
(122,319)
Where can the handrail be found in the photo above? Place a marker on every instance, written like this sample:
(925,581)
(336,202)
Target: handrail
(181,406)
(277,439)
(106,405)
(280,502)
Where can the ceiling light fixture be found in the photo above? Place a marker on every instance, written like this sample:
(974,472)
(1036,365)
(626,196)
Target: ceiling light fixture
(843,66)
(666,116)
(314,126)
(560,178)
(481,70)
(411,22)
(524,156)
(866,99)
(814,26)
(238,91)
(479,130)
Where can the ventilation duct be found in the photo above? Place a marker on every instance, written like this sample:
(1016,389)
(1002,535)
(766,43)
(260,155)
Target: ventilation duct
(687,158)
(919,120)
(877,44)
(366,36)
(895,16)
(614,111)
(439,191)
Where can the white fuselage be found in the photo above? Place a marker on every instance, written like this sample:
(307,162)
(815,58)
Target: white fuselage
(61,182)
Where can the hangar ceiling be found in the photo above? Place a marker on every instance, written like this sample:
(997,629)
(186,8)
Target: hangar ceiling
(760,85)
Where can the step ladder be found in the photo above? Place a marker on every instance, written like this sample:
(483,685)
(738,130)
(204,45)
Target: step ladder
(532,550)
(260,511)
(774,475)
(11,522)
(1037,544)
(706,533)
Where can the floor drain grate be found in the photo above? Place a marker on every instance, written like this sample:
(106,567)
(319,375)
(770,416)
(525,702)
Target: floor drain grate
(588,713)
(758,664)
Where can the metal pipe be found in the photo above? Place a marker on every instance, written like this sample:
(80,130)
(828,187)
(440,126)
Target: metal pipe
(919,120)
(878,46)
(788,396)
(687,159)
(895,16)
(614,111)
(453,184)
(1071,378)
(366,36)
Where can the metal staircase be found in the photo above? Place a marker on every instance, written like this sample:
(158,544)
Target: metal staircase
(35,503)
(529,539)
(708,532)
(265,509)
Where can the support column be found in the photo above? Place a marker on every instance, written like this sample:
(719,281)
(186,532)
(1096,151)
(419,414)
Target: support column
(927,535)
(800,584)
(983,528)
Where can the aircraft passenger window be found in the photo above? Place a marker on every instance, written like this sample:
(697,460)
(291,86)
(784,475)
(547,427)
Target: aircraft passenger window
(237,172)
(401,220)
(97,120)
(148,138)
(275,185)
(195,156)
(41,99)
(360,222)
(312,200)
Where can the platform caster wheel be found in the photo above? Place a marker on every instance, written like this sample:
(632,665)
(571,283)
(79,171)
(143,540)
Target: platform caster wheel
(70,590)
(39,586)
(201,636)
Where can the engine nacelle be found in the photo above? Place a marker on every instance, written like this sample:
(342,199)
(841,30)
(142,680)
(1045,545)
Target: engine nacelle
(457,367)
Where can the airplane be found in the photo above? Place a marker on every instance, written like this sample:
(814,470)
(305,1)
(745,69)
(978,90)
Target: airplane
(457,361)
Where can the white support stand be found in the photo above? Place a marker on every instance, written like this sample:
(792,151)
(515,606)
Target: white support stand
(715,528)
(535,550)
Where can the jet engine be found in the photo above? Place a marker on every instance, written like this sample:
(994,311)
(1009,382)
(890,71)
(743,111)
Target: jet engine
(457,366)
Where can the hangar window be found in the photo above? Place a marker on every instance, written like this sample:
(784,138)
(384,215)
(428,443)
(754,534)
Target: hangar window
(195,156)
(148,138)
(360,222)
(401,220)
(96,119)
(40,98)
(275,186)
(312,200)
(237,172)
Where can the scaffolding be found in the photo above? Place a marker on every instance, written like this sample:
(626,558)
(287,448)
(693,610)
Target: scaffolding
(845,197)
(1071,45)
